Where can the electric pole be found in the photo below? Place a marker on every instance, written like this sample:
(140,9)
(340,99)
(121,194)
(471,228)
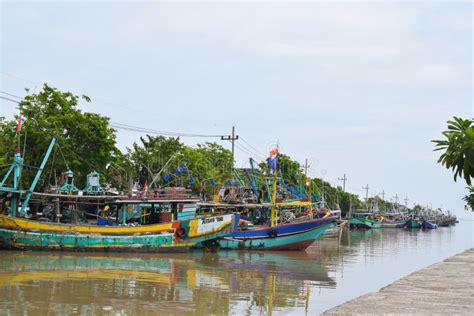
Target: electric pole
(406,202)
(366,188)
(306,166)
(343,179)
(232,138)
(383,199)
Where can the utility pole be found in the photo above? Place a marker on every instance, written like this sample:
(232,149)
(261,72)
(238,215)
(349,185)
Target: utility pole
(406,202)
(366,188)
(383,199)
(232,138)
(306,166)
(343,179)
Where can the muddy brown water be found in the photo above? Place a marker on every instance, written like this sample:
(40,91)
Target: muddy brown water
(331,272)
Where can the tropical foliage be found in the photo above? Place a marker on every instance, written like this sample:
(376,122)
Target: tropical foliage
(85,140)
(458,148)
(458,152)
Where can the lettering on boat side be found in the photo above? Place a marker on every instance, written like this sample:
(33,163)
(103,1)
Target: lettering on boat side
(212,220)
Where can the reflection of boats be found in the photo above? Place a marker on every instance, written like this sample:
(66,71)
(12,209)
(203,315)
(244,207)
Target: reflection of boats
(289,265)
(171,283)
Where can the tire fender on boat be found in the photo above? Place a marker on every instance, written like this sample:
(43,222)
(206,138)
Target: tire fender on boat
(181,232)
(273,233)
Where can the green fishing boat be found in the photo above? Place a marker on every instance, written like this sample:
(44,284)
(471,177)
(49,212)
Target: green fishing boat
(365,223)
(412,223)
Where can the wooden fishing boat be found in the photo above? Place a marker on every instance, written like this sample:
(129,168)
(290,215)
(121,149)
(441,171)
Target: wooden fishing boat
(413,223)
(364,223)
(394,224)
(20,233)
(428,225)
(127,228)
(337,226)
(291,236)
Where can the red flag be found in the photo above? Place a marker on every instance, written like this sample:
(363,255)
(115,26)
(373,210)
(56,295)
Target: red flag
(18,125)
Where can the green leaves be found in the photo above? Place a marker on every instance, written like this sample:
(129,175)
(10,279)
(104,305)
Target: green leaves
(458,147)
(85,138)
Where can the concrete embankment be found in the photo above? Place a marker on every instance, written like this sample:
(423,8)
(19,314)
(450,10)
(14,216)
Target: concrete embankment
(445,288)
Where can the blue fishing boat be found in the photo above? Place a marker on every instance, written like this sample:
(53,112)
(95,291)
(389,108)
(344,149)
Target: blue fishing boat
(428,225)
(291,236)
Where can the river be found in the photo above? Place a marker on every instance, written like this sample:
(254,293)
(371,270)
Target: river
(331,272)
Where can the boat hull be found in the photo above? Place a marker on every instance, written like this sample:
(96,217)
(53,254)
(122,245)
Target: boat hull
(428,225)
(296,236)
(397,224)
(413,224)
(334,231)
(17,233)
(364,223)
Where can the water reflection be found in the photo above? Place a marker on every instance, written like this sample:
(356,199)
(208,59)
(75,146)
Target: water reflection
(331,272)
(181,283)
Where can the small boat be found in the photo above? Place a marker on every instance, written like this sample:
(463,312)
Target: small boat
(394,224)
(413,223)
(428,225)
(364,223)
(337,226)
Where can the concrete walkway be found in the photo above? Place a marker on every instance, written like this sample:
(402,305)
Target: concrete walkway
(445,288)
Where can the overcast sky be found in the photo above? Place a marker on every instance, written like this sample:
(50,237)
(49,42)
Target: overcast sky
(357,88)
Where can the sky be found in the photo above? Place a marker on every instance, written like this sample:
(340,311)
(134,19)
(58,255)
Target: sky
(357,88)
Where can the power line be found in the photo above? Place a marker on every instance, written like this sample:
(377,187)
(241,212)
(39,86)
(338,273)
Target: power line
(256,150)
(157,132)
(12,95)
(8,99)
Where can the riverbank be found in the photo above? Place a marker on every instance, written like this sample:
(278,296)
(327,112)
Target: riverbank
(442,288)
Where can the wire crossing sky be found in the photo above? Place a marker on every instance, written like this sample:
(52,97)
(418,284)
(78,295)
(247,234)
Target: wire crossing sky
(358,88)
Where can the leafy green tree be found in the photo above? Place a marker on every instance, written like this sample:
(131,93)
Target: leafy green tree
(458,148)
(458,152)
(85,140)
(470,198)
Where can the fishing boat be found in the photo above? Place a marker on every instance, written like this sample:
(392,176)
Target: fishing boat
(123,233)
(428,225)
(413,223)
(291,236)
(365,221)
(392,221)
(273,233)
(337,226)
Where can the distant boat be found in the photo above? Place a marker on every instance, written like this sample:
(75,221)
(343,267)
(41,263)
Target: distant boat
(413,223)
(394,224)
(428,225)
(365,221)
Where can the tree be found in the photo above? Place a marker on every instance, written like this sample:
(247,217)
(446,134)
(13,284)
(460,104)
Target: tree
(458,152)
(85,141)
(458,148)
(469,199)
